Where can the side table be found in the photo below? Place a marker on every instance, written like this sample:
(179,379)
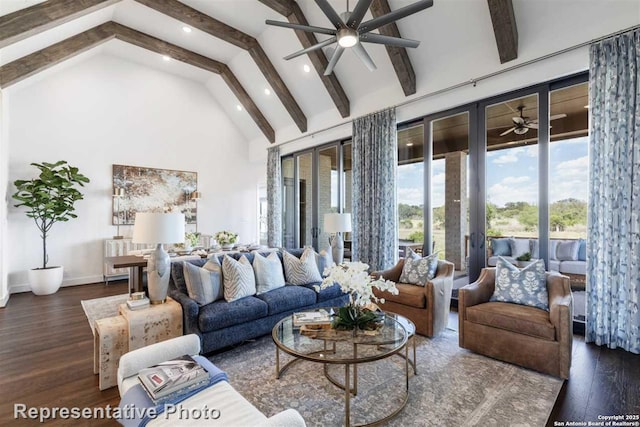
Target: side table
(132,329)
(153,324)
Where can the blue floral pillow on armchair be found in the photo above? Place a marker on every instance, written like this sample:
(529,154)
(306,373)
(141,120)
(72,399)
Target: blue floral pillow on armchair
(417,270)
(526,287)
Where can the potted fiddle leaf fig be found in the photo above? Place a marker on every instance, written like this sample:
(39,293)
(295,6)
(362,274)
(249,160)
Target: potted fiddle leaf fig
(49,198)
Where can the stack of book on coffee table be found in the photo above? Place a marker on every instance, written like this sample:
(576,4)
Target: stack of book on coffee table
(312,321)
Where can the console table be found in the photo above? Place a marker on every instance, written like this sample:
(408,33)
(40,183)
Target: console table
(130,330)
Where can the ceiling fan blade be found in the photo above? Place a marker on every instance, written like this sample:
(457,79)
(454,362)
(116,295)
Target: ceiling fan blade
(358,13)
(531,125)
(557,116)
(395,15)
(360,51)
(334,18)
(508,131)
(337,53)
(307,28)
(311,48)
(387,40)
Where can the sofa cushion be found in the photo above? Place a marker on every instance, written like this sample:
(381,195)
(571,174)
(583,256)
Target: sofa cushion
(527,286)
(222,314)
(513,317)
(568,250)
(287,298)
(268,271)
(418,270)
(239,279)
(204,284)
(303,270)
(554,265)
(493,261)
(553,249)
(411,295)
(325,294)
(519,247)
(500,247)
(535,248)
(582,251)
(573,267)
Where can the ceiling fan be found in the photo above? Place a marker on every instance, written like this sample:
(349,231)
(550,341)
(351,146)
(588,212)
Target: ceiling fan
(350,31)
(522,124)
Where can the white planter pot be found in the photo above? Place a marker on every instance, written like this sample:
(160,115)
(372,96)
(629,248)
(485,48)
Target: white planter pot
(45,281)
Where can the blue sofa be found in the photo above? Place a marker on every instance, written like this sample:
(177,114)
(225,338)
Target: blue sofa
(221,324)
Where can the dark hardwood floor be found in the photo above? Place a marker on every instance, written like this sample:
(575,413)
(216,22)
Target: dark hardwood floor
(46,360)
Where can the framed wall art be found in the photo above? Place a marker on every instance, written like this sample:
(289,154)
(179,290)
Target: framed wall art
(152,190)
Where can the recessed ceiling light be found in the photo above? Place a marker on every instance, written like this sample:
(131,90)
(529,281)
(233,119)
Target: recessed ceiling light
(166,58)
(409,144)
(186,29)
(239,107)
(267,91)
(306,68)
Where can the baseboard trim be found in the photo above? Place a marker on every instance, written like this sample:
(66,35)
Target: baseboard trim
(76,281)
(4,300)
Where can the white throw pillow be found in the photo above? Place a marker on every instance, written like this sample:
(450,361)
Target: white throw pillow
(324,259)
(239,280)
(204,285)
(303,270)
(568,250)
(268,272)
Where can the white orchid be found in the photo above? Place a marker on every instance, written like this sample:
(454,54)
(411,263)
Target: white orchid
(226,237)
(354,279)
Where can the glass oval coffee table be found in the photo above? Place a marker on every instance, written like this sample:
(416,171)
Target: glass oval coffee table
(331,347)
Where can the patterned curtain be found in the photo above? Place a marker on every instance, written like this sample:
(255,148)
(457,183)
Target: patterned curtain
(274,205)
(375,208)
(613,248)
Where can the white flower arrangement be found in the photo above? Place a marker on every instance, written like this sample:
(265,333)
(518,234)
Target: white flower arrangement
(354,279)
(226,237)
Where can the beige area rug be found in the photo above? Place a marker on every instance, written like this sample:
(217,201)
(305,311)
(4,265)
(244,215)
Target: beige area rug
(99,308)
(454,387)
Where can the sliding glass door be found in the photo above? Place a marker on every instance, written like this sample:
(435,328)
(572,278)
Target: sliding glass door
(314,184)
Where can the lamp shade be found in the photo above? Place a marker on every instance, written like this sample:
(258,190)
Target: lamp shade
(337,222)
(158,228)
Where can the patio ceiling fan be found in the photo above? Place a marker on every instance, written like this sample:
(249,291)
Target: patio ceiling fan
(350,31)
(522,124)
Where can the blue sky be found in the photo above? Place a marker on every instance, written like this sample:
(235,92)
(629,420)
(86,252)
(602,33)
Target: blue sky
(512,175)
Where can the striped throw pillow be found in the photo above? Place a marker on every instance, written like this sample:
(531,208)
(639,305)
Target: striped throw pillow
(204,285)
(239,280)
(303,270)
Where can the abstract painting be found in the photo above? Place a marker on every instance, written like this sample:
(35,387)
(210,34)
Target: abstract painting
(153,190)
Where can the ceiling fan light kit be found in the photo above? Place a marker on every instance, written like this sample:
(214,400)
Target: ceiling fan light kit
(522,124)
(350,32)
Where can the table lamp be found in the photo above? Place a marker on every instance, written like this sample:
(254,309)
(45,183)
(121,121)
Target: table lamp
(337,223)
(158,228)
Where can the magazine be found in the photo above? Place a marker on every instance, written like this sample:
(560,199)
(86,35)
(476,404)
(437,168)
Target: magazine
(173,376)
(316,317)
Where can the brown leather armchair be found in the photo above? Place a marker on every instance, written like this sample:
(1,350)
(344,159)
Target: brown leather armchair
(427,307)
(526,336)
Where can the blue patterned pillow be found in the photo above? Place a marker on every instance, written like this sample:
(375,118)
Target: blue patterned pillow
(418,270)
(526,287)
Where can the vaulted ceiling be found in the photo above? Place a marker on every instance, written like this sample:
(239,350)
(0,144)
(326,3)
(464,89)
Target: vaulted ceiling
(239,59)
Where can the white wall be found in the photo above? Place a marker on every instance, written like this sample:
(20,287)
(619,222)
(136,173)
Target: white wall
(4,173)
(106,111)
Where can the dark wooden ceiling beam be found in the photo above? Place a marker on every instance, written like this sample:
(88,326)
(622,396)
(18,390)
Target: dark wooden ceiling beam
(32,20)
(504,29)
(29,65)
(398,55)
(294,14)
